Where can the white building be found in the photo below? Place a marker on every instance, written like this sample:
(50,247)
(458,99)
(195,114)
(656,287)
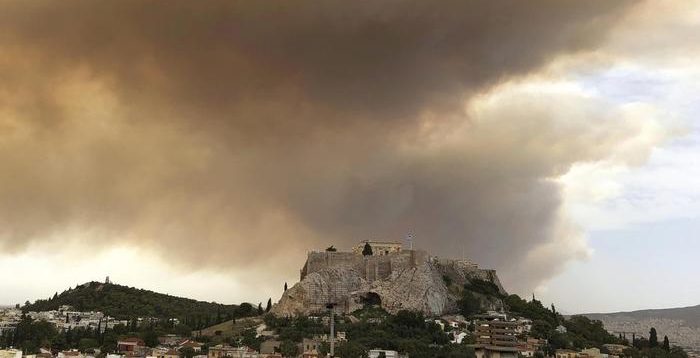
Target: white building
(459,337)
(524,325)
(70,354)
(10,353)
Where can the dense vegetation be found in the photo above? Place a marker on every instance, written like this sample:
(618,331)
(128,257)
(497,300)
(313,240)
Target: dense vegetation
(483,287)
(582,332)
(127,303)
(31,335)
(643,347)
(370,328)
(404,332)
(473,293)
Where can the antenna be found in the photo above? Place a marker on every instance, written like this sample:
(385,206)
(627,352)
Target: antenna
(331,303)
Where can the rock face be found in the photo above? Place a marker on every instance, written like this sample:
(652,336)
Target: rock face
(408,280)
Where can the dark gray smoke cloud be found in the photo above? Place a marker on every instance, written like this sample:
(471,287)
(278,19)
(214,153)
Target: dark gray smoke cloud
(235,135)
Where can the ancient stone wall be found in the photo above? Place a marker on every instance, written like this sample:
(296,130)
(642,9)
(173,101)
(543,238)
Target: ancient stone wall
(317,261)
(374,267)
(409,279)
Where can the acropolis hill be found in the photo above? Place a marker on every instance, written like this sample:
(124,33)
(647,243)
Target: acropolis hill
(391,276)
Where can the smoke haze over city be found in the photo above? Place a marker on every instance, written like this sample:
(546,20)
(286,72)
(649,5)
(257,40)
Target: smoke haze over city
(217,142)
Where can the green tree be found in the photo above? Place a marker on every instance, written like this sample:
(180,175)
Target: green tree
(667,344)
(150,337)
(351,350)
(87,343)
(187,352)
(331,249)
(29,335)
(653,339)
(289,348)
(250,339)
(285,287)
(182,330)
(367,250)
(244,310)
(678,352)
(260,309)
(269,305)
(468,304)
(109,341)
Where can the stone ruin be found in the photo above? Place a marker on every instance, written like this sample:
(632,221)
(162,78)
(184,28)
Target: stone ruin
(403,279)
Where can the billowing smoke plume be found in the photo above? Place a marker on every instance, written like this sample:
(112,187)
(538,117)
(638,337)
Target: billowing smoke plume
(239,134)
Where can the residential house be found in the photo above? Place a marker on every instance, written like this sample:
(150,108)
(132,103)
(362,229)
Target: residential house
(616,349)
(591,353)
(164,352)
(188,343)
(132,346)
(565,353)
(529,347)
(169,340)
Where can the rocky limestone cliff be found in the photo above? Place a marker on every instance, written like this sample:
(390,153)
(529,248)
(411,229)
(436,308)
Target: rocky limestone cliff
(419,285)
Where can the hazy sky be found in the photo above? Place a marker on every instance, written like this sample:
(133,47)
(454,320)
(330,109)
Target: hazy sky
(201,148)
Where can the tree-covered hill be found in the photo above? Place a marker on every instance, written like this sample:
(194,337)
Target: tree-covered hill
(124,302)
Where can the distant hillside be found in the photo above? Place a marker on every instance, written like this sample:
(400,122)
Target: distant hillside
(124,302)
(690,315)
(682,325)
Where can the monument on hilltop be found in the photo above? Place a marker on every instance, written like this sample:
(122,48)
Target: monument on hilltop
(392,277)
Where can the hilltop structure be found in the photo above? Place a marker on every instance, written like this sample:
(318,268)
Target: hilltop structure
(392,277)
